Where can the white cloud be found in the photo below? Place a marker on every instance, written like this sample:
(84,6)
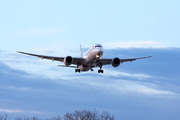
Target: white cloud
(17,88)
(119,87)
(11,110)
(134,44)
(28,63)
(116,73)
(19,111)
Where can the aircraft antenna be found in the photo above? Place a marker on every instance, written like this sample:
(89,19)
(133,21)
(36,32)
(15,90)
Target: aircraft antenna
(81,53)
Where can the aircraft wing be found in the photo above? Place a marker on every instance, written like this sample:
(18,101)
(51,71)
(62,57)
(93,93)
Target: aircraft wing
(108,61)
(76,60)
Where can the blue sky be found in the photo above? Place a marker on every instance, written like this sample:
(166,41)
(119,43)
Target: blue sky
(144,89)
(45,23)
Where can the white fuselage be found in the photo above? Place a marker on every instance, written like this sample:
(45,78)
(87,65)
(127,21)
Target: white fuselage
(94,53)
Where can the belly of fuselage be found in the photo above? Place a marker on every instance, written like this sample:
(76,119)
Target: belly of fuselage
(82,68)
(90,57)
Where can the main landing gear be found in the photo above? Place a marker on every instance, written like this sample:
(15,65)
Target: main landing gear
(77,70)
(100,71)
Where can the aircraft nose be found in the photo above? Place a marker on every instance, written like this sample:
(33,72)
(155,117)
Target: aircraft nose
(100,52)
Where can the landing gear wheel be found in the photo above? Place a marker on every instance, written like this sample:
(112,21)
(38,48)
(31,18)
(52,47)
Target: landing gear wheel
(100,71)
(77,70)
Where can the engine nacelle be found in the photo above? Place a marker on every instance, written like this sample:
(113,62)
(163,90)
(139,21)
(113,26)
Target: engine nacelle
(68,60)
(115,62)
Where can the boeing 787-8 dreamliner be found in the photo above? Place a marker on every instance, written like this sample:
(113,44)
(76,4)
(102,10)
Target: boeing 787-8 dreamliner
(91,59)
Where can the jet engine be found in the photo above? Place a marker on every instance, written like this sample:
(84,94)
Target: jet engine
(115,62)
(68,60)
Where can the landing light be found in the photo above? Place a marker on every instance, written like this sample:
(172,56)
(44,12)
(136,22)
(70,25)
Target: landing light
(98,56)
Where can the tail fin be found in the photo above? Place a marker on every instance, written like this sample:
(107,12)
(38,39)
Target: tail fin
(81,53)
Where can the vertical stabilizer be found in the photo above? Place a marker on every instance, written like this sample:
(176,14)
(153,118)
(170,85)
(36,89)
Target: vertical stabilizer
(81,53)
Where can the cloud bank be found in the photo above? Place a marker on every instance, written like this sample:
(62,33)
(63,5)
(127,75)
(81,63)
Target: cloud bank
(134,44)
(130,91)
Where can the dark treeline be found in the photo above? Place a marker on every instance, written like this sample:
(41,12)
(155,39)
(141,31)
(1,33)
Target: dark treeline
(76,115)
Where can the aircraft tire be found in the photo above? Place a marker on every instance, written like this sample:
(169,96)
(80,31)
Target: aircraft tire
(100,71)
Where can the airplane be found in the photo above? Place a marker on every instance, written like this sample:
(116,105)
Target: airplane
(93,58)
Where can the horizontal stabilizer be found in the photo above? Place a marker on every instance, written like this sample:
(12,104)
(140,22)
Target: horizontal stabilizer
(67,66)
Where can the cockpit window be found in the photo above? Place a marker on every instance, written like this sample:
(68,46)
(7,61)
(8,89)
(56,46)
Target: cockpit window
(98,46)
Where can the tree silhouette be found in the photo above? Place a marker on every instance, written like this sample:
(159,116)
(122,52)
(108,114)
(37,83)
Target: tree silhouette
(76,115)
(85,115)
